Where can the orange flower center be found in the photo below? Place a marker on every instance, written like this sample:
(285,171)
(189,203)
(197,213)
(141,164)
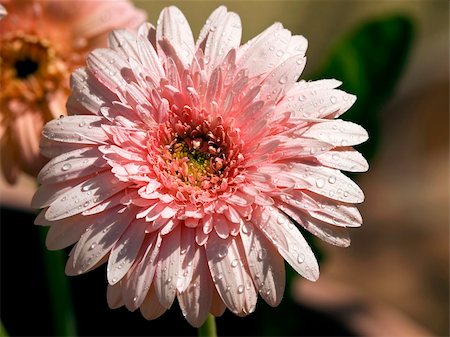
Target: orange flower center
(31,68)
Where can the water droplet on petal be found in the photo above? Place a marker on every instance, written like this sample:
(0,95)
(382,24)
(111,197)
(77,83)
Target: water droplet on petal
(234,263)
(262,254)
(240,289)
(279,53)
(320,182)
(332,179)
(81,124)
(301,258)
(66,167)
(333,99)
(223,251)
(92,246)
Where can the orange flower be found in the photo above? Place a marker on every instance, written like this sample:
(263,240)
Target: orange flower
(41,43)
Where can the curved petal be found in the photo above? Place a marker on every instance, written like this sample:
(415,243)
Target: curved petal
(297,253)
(76,129)
(195,301)
(173,26)
(99,238)
(265,264)
(125,250)
(168,268)
(231,277)
(150,307)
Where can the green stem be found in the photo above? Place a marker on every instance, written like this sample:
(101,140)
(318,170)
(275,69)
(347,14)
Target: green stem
(208,329)
(3,332)
(59,290)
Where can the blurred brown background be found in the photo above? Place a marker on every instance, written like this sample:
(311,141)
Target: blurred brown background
(399,259)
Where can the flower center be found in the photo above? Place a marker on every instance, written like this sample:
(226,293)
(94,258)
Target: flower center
(195,160)
(198,158)
(31,68)
(26,67)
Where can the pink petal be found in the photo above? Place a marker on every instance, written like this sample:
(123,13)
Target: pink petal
(114,296)
(217,306)
(150,60)
(316,100)
(188,250)
(76,129)
(282,77)
(66,232)
(84,196)
(110,75)
(150,307)
(124,43)
(337,236)
(231,277)
(140,279)
(72,165)
(125,250)
(168,268)
(328,182)
(345,159)
(173,26)
(47,194)
(98,240)
(195,301)
(224,35)
(216,16)
(296,252)
(265,264)
(337,133)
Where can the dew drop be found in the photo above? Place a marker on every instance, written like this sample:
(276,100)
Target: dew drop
(240,289)
(223,251)
(283,80)
(234,263)
(301,258)
(66,167)
(333,99)
(85,188)
(299,60)
(262,254)
(279,53)
(332,179)
(280,220)
(320,182)
(86,204)
(301,98)
(346,194)
(81,124)
(134,298)
(92,246)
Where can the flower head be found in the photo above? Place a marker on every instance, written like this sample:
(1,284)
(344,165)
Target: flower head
(185,166)
(41,43)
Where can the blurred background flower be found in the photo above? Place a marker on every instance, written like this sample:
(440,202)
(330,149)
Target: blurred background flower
(41,43)
(393,279)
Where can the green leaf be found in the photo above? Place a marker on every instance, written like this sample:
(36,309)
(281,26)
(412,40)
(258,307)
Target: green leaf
(369,61)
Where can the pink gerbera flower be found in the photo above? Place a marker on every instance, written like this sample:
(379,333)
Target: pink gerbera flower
(41,43)
(185,166)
